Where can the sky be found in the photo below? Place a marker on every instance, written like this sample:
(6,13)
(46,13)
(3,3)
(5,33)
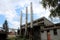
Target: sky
(10,10)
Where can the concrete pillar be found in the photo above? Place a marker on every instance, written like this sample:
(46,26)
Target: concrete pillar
(26,22)
(31,15)
(20,22)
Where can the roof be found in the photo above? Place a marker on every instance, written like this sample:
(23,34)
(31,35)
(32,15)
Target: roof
(42,20)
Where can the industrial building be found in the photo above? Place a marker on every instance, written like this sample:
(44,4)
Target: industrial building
(42,29)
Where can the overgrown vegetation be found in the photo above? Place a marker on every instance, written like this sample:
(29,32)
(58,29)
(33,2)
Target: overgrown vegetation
(13,38)
(17,38)
(54,6)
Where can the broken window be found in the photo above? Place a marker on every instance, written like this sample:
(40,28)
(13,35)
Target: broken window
(48,30)
(55,31)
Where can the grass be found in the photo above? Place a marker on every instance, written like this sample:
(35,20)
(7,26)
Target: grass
(13,38)
(21,38)
(16,38)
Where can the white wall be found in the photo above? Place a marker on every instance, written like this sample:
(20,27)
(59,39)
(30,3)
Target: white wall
(44,35)
(53,37)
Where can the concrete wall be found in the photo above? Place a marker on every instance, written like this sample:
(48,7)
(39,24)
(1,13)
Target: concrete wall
(55,37)
(44,35)
(47,22)
(52,36)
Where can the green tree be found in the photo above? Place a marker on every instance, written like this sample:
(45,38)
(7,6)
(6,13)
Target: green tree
(5,26)
(54,6)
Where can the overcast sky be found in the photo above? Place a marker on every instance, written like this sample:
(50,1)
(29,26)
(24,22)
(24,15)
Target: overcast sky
(10,10)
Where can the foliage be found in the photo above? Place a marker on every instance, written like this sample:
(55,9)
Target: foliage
(13,38)
(17,38)
(54,6)
(5,26)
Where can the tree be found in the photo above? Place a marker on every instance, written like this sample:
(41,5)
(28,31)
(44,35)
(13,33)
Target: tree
(54,6)
(5,26)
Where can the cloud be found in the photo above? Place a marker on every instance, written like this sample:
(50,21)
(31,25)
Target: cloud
(56,20)
(37,9)
(11,10)
(7,9)
(10,16)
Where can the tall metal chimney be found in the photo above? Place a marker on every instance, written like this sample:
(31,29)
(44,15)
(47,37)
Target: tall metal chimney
(26,16)
(26,21)
(20,22)
(31,15)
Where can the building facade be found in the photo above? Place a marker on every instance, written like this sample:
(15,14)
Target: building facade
(43,29)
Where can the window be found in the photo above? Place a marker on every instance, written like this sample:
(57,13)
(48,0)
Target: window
(48,30)
(55,31)
(42,31)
